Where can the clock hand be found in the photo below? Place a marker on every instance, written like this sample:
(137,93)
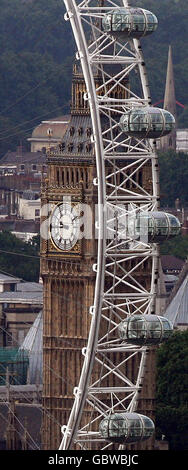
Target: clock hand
(66,227)
(77,217)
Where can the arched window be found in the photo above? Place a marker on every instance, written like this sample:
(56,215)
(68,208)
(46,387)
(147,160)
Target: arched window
(57,176)
(88,148)
(62,146)
(72,130)
(80,147)
(70,147)
(88,131)
(80,130)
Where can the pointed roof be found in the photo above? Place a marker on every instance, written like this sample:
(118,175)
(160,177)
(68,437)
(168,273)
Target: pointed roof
(177,309)
(170,96)
(169,141)
(33,344)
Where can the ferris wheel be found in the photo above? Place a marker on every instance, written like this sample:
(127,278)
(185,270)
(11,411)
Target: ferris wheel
(129,226)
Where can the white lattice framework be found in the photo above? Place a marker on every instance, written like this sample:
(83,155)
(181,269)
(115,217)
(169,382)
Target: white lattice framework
(119,160)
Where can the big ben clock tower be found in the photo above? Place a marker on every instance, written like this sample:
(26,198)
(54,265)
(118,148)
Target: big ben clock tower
(67,257)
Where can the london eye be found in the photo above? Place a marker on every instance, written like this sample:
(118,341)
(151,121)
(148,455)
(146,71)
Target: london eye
(129,225)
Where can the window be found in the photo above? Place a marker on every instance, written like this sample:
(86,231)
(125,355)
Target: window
(22,167)
(72,131)
(34,167)
(12,287)
(80,147)
(37,212)
(62,146)
(88,131)
(88,148)
(80,131)
(70,147)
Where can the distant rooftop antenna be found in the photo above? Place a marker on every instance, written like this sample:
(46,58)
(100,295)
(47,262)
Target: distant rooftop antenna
(49,133)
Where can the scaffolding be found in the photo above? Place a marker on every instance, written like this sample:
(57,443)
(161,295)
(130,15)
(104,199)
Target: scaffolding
(13,362)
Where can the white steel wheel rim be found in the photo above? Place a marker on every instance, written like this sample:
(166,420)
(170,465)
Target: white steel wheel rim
(142,299)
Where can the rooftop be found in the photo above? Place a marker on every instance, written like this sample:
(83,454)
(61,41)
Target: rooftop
(29,287)
(170,262)
(6,279)
(57,125)
(177,310)
(23,157)
(177,307)
(36,298)
(20,225)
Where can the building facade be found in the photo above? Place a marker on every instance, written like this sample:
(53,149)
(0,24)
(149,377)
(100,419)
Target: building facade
(48,133)
(20,303)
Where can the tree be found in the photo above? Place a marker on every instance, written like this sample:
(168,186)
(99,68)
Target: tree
(183,118)
(173,177)
(18,258)
(172,24)
(172,391)
(37,50)
(177,246)
(36,55)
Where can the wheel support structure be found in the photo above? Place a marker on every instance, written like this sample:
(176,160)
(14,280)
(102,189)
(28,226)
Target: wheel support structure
(120,160)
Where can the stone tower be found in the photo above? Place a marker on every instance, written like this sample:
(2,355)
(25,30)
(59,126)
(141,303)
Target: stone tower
(169,141)
(67,273)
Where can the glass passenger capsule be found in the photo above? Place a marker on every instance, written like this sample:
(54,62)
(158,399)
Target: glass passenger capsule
(147,122)
(126,427)
(145,329)
(129,22)
(155,226)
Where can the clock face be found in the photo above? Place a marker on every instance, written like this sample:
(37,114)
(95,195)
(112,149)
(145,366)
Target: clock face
(64,227)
